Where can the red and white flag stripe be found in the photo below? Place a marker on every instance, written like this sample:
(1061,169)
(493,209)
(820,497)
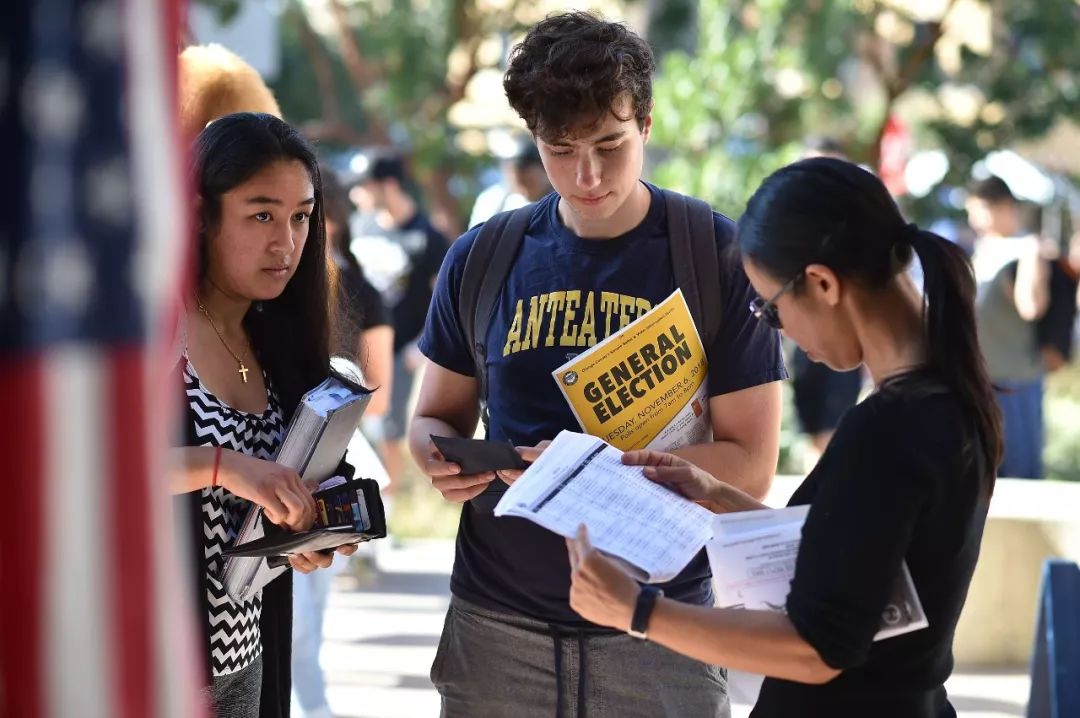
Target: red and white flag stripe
(94,593)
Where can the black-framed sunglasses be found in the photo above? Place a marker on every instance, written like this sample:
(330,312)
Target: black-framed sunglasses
(765,309)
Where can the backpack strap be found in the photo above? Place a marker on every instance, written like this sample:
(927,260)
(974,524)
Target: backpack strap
(695,261)
(486,269)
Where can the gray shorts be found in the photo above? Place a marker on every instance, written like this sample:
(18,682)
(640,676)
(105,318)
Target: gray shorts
(494,665)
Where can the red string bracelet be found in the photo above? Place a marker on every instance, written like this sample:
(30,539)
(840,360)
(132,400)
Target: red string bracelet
(217,462)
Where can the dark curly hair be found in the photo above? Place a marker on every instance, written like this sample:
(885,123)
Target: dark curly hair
(572,68)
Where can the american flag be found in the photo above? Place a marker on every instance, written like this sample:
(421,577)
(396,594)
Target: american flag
(91,235)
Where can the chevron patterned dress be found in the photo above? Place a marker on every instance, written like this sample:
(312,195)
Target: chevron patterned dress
(233,626)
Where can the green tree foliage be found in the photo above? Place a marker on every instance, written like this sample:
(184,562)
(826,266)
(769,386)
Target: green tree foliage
(381,73)
(392,71)
(1029,82)
(721,122)
(765,74)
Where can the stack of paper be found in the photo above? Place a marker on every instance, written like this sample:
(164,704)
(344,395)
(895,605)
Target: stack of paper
(580,479)
(753,557)
(321,428)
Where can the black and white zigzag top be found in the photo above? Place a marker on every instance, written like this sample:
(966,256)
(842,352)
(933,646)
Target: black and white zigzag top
(234,627)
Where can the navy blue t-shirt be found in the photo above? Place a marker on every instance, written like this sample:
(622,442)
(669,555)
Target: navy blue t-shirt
(564,294)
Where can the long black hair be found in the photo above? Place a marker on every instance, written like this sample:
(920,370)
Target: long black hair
(831,212)
(290,334)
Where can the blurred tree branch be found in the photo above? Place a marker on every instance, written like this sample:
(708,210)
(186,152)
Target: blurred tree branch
(895,84)
(779,71)
(363,72)
(320,64)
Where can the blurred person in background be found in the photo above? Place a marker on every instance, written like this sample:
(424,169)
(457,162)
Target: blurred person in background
(1056,328)
(523,181)
(1014,294)
(398,243)
(821,394)
(363,335)
(365,331)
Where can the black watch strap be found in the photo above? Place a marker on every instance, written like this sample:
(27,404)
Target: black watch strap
(643,609)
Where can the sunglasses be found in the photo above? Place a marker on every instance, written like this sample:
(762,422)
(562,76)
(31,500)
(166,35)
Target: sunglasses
(765,310)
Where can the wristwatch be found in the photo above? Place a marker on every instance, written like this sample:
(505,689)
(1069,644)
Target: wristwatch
(643,609)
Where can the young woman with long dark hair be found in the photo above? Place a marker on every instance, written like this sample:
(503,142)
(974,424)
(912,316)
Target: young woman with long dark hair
(256,336)
(908,475)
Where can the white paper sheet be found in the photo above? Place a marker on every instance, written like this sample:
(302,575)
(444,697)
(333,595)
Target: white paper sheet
(582,480)
(753,568)
(753,554)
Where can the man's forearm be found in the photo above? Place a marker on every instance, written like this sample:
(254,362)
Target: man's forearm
(421,430)
(732,463)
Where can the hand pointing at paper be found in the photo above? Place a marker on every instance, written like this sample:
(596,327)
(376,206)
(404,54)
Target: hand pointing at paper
(691,482)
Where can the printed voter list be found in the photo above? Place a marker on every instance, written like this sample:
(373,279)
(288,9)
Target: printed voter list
(580,479)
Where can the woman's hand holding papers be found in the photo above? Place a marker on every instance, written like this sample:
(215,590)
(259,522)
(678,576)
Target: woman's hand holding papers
(529,454)
(687,480)
(446,477)
(276,488)
(601,591)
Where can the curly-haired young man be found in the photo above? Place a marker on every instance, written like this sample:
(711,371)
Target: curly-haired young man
(595,256)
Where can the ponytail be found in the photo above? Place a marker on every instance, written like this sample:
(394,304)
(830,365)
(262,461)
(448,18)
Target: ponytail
(827,211)
(951,340)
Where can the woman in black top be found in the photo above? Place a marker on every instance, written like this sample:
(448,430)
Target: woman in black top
(908,475)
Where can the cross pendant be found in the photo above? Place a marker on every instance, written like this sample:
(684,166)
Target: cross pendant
(243,372)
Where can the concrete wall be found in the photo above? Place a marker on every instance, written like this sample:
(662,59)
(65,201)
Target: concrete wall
(1029,522)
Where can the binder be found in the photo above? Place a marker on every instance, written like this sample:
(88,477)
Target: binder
(314,445)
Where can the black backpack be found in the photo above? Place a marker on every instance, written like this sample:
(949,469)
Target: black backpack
(694,258)
(1055,328)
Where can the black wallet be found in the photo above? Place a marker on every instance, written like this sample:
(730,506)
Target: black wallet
(478,456)
(347,513)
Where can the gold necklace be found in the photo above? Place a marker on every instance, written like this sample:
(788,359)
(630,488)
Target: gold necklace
(243,370)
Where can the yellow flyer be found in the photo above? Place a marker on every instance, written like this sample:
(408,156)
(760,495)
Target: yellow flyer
(645,386)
